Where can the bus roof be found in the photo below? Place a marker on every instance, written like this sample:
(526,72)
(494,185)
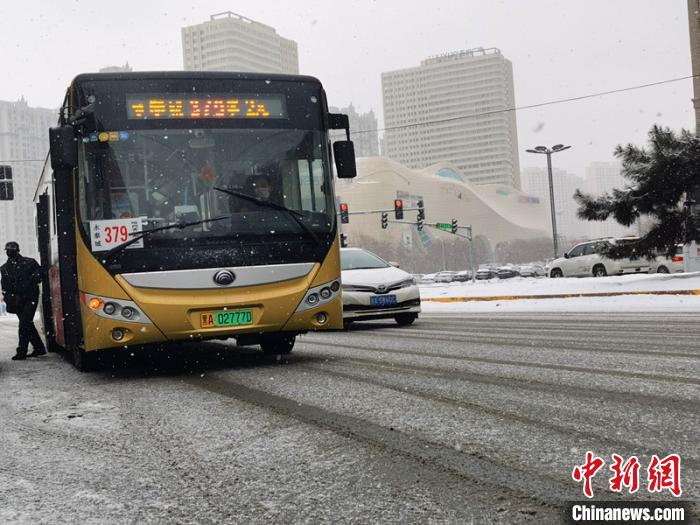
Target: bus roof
(199,75)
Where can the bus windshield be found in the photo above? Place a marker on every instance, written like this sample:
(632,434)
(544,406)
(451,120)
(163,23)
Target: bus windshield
(157,177)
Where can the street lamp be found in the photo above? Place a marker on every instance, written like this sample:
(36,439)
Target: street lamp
(548,151)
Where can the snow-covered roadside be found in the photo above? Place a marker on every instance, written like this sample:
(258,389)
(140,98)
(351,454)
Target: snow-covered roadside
(617,304)
(546,286)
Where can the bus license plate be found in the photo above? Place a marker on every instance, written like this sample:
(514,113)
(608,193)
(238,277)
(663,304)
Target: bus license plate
(226,318)
(382,300)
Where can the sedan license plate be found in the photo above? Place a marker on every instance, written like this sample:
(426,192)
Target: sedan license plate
(226,318)
(382,300)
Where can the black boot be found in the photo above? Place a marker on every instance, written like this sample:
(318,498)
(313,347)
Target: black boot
(21,355)
(37,352)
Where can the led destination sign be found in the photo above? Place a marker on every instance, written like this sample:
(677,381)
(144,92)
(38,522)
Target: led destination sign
(210,106)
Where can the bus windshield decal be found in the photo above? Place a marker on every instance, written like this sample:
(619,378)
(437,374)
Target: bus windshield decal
(209,106)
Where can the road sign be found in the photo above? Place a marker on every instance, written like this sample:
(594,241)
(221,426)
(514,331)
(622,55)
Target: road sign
(444,226)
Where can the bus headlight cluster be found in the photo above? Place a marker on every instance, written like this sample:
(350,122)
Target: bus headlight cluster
(115,309)
(319,295)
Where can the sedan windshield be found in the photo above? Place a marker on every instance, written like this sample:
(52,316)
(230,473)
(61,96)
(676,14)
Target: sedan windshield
(360,260)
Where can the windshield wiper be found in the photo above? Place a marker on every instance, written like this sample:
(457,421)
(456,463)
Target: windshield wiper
(291,213)
(179,225)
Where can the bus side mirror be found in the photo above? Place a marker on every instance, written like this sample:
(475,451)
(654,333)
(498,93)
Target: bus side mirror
(344,155)
(64,147)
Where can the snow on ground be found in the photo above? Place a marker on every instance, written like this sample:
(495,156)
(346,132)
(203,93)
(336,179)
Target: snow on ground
(546,286)
(618,304)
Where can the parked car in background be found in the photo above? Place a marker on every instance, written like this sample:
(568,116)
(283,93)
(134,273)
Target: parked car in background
(374,289)
(463,276)
(662,264)
(585,260)
(532,270)
(445,277)
(486,273)
(508,271)
(428,278)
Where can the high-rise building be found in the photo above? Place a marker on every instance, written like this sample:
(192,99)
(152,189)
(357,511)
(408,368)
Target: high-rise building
(535,181)
(231,42)
(603,177)
(24,142)
(363,131)
(451,108)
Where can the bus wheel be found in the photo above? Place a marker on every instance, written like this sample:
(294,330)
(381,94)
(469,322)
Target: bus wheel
(82,360)
(277,343)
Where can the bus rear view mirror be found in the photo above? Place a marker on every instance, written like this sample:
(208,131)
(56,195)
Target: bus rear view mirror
(64,147)
(7,192)
(344,154)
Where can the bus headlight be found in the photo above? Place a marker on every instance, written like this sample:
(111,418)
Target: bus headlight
(109,308)
(117,334)
(128,312)
(319,295)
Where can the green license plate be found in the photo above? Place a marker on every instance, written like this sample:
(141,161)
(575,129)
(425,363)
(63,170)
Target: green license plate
(226,318)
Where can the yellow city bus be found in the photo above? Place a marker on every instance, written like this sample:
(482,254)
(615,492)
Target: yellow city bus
(188,206)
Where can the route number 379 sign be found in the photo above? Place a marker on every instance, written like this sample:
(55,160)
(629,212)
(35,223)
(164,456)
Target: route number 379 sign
(107,234)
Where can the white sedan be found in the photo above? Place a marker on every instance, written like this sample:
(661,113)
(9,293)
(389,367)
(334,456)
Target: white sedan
(374,289)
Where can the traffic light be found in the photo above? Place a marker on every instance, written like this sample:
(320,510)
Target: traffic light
(421,215)
(344,213)
(6,190)
(343,240)
(454,225)
(398,209)
(385,220)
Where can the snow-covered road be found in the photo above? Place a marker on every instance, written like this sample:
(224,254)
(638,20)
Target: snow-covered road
(456,419)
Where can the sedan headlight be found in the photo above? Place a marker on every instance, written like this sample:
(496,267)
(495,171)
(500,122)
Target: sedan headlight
(355,288)
(407,283)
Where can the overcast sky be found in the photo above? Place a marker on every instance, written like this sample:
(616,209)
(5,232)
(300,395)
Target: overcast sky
(559,49)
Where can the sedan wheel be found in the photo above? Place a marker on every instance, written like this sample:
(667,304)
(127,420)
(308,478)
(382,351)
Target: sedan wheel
(405,319)
(556,272)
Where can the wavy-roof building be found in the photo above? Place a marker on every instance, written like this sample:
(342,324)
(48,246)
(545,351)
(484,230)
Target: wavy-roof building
(496,212)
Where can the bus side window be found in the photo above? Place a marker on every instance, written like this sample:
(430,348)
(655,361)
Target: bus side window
(311,188)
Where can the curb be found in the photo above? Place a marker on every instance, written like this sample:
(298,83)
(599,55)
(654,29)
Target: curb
(554,296)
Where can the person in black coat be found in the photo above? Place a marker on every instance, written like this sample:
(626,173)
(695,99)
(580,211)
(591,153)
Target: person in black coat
(19,279)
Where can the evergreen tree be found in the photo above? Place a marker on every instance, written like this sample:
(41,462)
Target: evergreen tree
(658,180)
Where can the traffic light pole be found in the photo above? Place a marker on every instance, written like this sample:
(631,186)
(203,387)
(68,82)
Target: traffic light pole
(391,210)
